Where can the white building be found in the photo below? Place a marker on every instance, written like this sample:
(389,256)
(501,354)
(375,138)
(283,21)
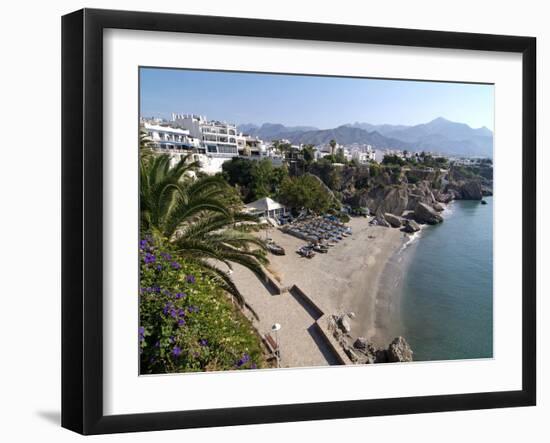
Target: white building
(168,139)
(219,139)
(364,154)
(266,207)
(211,142)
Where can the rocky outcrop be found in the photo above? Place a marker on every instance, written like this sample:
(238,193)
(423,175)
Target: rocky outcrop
(411,226)
(426,214)
(467,186)
(393,220)
(420,193)
(471,190)
(379,220)
(364,352)
(399,350)
(444,197)
(397,190)
(344,324)
(387,199)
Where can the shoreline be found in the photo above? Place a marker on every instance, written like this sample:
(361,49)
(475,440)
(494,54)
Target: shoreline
(352,277)
(389,320)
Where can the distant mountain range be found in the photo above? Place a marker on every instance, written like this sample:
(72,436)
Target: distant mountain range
(439,135)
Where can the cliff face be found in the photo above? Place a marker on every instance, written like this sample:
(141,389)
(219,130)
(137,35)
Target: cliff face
(413,193)
(470,184)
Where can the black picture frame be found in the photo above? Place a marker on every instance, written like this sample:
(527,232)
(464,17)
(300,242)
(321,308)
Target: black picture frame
(82,215)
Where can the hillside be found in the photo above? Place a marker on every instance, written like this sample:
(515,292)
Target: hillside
(439,135)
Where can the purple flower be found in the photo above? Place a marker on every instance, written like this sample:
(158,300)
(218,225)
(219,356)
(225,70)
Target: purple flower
(253,366)
(149,258)
(176,351)
(244,359)
(143,244)
(141,332)
(166,256)
(180,295)
(175,265)
(193,309)
(181,322)
(167,308)
(190,279)
(173,313)
(181,312)
(159,267)
(203,342)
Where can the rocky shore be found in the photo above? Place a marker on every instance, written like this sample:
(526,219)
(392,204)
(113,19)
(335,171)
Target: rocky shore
(361,350)
(415,197)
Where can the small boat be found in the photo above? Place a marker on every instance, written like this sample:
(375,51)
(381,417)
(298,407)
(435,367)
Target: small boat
(321,249)
(306,251)
(275,249)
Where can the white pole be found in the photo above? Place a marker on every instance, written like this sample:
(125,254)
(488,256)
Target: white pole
(275,328)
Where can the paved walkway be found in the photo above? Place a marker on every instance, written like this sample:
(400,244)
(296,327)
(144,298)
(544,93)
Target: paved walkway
(300,342)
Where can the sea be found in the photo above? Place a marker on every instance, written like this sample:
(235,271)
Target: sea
(447,285)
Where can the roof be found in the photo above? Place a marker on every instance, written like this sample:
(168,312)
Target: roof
(264,204)
(166,129)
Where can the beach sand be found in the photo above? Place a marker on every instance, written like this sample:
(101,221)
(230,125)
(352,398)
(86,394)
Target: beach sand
(350,277)
(357,275)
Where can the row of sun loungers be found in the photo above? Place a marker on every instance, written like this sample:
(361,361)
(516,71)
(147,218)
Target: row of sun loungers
(321,232)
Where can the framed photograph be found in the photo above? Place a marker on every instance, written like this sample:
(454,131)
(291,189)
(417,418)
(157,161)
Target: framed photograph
(269,221)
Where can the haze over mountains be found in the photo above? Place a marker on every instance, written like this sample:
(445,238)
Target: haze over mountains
(439,135)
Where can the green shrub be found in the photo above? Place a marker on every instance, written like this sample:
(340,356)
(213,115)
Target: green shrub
(186,322)
(344,218)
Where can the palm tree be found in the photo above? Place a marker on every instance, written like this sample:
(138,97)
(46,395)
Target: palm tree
(194,215)
(145,145)
(332,144)
(217,238)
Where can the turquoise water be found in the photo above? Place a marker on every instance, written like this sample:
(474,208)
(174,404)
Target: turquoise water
(447,299)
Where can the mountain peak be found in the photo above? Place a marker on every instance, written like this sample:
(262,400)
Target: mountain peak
(440,120)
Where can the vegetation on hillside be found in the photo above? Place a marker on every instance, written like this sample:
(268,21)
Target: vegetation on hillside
(192,232)
(186,321)
(254,179)
(306,192)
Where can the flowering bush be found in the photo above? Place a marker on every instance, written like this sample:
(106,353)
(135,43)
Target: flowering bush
(186,322)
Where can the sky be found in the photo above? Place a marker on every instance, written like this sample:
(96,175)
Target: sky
(323,102)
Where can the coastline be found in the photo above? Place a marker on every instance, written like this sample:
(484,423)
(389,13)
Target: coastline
(389,320)
(352,277)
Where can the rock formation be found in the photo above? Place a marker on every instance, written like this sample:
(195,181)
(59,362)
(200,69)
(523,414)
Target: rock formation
(399,350)
(364,352)
(411,226)
(393,220)
(426,214)
(379,220)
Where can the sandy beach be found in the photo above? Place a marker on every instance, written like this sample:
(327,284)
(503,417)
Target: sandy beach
(349,278)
